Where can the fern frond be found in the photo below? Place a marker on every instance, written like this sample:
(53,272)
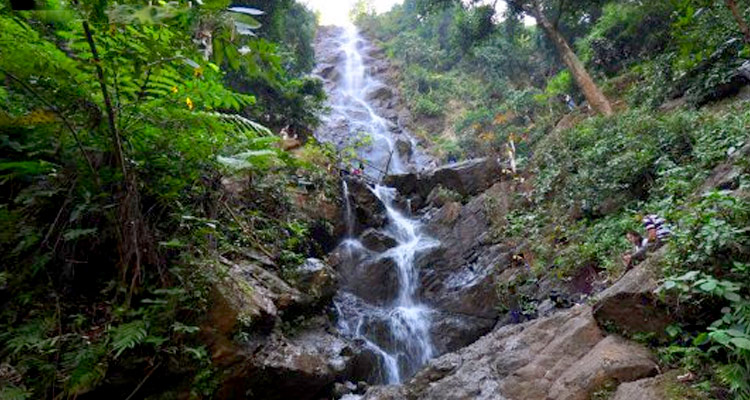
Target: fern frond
(127,336)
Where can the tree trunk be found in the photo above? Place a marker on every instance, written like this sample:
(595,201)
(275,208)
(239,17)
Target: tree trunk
(737,14)
(593,94)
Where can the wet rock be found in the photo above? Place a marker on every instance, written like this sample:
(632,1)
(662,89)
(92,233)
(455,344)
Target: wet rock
(380,93)
(375,281)
(377,241)
(369,211)
(342,389)
(467,178)
(329,73)
(317,279)
(440,196)
(404,149)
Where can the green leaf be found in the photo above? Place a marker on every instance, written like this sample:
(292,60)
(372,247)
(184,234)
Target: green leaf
(742,343)
(701,339)
(172,244)
(74,234)
(127,336)
(732,296)
(688,276)
(673,330)
(708,286)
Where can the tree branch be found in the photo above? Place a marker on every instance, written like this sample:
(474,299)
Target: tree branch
(116,140)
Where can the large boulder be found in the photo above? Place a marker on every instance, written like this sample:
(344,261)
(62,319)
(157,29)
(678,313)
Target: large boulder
(466,178)
(317,279)
(382,92)
(375,280)
(302,367)
(451,331)
(377,241)
(251,295)
(656,388)
(631,305)
(564,356)
(612,359)
(368,210)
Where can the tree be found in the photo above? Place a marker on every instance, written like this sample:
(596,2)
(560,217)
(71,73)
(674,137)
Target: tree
(737,14)
(594,95)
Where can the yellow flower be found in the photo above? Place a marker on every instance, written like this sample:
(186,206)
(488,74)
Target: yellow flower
(189,103)
(174,89)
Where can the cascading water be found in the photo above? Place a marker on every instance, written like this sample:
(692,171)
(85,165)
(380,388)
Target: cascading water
(350,106)
(397,331)
(405,344)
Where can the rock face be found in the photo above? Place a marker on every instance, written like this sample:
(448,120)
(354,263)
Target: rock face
(254,296)
(268,364)
(368,211)
(467,178)
(458,279)
(301,367)
(317,279)
(631,304)
(565,356)
(656,388)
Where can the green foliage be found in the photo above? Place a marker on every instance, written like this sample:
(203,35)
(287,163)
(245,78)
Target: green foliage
(70,319)
(625,33)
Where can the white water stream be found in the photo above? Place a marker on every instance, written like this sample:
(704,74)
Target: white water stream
(397,332)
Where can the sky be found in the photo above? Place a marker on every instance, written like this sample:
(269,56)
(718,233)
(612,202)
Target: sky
(336,12)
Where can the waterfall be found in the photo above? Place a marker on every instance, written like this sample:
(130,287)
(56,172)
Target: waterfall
(405,344)
(409,320)
(395,327)
(350,104)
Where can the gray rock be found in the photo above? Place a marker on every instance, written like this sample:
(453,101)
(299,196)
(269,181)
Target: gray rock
(317,279)
(375,281)
(564,356)
(282,368)
(612,359)
(467,178)
(380,93)
(631,304)
(404,149)
(368,210)
(377,241)
(656,388)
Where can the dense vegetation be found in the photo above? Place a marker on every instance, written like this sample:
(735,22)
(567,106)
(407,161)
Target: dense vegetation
(474,77)
(120,123)
(483,83)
